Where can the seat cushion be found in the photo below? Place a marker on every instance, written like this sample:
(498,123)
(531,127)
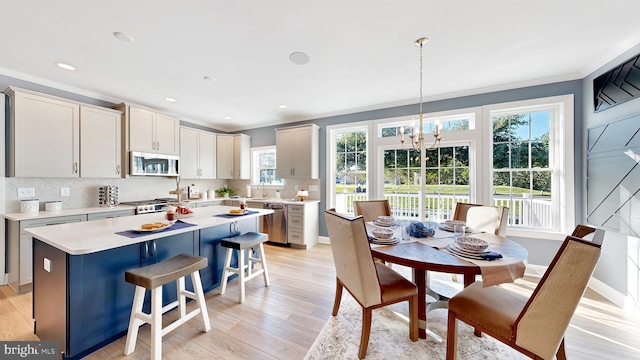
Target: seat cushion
(492,307)
(393,286)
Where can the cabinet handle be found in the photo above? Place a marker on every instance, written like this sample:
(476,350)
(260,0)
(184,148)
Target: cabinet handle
(146,250)
(157,145)
(118,169)
(75,167)
(154,248)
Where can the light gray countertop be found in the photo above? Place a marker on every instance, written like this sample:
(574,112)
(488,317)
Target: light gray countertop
(65,212)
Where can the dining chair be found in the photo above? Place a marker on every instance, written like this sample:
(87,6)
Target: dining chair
(534,326)
(371,209)
(488,218)
(371,283)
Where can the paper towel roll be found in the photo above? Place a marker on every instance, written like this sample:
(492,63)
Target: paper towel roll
(248,191)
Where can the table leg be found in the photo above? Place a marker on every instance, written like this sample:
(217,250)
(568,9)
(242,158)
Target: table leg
(469,279)
(420,278)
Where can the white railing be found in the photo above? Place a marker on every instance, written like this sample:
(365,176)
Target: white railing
(524,212)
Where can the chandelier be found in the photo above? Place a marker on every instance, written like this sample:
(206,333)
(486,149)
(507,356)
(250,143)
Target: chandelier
(417,136)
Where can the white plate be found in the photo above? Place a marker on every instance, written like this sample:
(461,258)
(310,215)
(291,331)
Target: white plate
(470,252)
(374,241)
(450,229)
(452,250)
(382,224)
(238,214)
(140,229)
(471,244)
(392,239)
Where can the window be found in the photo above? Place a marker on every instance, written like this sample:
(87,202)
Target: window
(263,161)
(529,172)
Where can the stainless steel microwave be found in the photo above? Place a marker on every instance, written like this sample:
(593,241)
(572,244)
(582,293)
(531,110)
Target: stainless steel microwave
(150,164)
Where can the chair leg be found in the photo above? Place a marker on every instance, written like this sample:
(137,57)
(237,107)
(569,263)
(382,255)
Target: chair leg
(413,318)
(263,261)
(366,330)
(225,272)
(156,323)
(202,304)
(452,334)
(561,355)
(336,301)
(134,321)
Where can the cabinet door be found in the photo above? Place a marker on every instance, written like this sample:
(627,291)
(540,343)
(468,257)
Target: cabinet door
(46,137)
(189,163)
(141,126)
(241,157)
(167,135)
(224,156)
(207,155)
(284,153)
(100,138)
(302,152)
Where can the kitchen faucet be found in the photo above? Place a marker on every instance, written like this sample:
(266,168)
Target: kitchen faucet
(264,191)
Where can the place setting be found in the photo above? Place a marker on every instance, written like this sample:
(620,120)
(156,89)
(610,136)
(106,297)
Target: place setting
(472,248)
(382,236)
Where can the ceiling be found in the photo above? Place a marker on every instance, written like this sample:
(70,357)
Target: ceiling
(361,52)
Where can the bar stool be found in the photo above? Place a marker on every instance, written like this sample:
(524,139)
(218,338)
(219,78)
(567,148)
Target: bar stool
(246,242)
(153,277)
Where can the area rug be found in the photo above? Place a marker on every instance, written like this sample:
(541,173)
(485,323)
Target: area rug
(340,337)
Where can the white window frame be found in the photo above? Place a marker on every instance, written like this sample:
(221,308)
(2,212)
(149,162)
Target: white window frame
(255,172)
(561,141)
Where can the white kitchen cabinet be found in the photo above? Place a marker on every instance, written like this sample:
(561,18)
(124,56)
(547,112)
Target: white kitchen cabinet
(197,154)
(45,138)
(233,154)
(297,152)
(100,142)
(302,225)
(110,214)
(20,248)
(150,131)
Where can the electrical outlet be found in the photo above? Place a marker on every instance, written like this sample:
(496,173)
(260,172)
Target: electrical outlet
(296,187)
(64,191)
(26,192)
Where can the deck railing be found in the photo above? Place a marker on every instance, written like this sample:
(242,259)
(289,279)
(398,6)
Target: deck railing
(526,212)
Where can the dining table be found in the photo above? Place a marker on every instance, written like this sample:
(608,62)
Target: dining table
(431,254)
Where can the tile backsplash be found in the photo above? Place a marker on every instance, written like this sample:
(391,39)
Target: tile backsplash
(84,192)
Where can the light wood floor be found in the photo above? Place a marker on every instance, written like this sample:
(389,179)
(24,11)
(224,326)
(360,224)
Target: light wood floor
(282,321)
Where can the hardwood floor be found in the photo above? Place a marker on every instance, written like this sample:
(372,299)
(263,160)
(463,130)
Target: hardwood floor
(283,320)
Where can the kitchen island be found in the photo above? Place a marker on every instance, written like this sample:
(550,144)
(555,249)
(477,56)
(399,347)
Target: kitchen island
(80,297)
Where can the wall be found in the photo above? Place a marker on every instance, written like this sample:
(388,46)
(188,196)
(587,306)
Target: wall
(619,265)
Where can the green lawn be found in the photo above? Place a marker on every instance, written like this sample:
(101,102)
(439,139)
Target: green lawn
(441,189)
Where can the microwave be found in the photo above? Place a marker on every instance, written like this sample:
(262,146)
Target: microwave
(149,164)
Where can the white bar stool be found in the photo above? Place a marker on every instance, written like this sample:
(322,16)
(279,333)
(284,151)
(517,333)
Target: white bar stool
(250,242)
(152,278)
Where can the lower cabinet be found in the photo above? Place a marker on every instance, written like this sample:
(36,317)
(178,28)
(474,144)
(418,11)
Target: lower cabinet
(302,225)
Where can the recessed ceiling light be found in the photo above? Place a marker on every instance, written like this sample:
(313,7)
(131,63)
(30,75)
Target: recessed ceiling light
(227,117)
(123,37)
(299,58)
(282,106)
(170,99)
(209,78)
(65,66)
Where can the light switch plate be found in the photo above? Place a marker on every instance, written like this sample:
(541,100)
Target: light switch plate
(64,191)
(26,192)
(47,265)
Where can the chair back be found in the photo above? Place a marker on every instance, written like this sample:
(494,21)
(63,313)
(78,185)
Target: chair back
(491,219)
(352,257)
(371,209)
(542,323)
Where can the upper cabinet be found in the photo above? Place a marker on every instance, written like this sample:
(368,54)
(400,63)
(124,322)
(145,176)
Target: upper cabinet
(55,137)
(152,132)
(297,152)
(46,137)
(197,154)
(100,142)
(232,153)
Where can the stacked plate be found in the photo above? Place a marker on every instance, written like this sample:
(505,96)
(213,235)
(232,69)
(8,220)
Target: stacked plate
(381,223)
(390,241)
(448,225)
(469,247)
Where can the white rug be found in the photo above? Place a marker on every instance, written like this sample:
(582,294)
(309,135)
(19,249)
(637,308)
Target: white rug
(340,337)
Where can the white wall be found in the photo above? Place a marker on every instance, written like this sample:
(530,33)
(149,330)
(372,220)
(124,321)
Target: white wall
(3,244)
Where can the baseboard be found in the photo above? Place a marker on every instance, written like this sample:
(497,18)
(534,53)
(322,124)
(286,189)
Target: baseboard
(323,240)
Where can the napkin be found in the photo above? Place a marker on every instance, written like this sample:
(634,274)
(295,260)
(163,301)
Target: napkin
(491,256)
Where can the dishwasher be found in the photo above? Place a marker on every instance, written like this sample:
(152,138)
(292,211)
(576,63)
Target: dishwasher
(275,225)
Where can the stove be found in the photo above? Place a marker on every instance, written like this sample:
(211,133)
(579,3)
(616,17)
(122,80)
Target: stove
(150,206)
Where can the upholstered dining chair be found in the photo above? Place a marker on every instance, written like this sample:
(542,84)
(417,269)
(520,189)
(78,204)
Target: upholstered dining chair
(534,326)
(491,219)
(371,283)
(371,209)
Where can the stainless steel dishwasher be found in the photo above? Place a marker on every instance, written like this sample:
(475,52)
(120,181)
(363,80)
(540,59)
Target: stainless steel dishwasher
(275,225)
